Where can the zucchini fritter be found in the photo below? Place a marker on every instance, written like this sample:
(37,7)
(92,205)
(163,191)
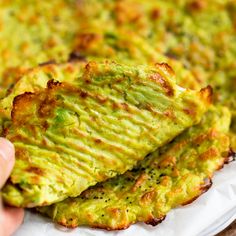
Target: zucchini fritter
(70,136)
(200,34)
(34,80)
(153,31)
(174,175)
(119,42)
(32,32)
(175,28)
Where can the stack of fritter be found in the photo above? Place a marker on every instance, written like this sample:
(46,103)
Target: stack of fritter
(109,106)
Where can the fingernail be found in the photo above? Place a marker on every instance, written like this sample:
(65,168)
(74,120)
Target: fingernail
(7,150)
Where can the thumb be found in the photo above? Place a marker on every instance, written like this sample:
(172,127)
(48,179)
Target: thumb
(7,160)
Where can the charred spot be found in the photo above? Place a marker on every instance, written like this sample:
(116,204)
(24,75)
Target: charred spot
(46,107)
(85,40)
(35,179)
(18,101)
(35,170)
(47,63)
(189,111)
(155,14)
(101,99)
(76,56)
(164,84)
(21,153)
(170,114)
(206,185)
(98,141)
(166,67)
(52,84)
(207,94)
(83,94)
(200,139)
(204,188)
(211,152)
(115,105)
(155,221)
(18,97)
(172,55)
(5,132)
(45,203)
(196,5)
(89,68)
(230,156)
(125,106)
(220,166)
(109,228)
(45,125)
(64,222)
(149,107)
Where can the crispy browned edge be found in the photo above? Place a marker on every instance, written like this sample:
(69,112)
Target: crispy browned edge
(205,93)
(151,221)
(229,157)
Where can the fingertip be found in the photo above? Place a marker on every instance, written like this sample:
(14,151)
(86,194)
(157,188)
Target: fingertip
(8,150)
(16,214)
(7,159)
(12,219)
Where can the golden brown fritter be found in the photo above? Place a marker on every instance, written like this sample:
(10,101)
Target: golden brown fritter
(100,125)
(33,32)
(174,175)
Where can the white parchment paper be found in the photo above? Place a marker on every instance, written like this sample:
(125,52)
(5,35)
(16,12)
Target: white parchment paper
(208,215)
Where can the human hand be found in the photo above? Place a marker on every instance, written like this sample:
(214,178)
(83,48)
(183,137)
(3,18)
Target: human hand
(10,218)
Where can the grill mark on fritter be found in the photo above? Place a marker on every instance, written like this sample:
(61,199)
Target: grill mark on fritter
(36,170)
(159,79)
(152,189)
(110,131)
(112,141)
(78,150)
(110,105)
(50,149)
(47,161)
(109,125)
(89,154)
